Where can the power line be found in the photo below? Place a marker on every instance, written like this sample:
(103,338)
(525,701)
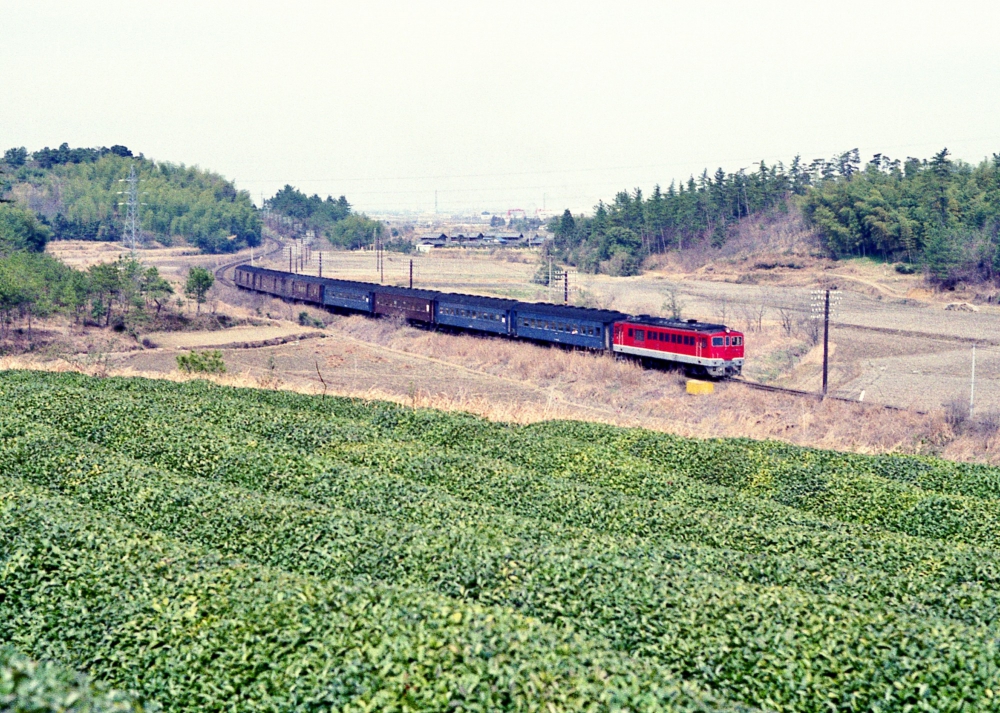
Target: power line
(593,169)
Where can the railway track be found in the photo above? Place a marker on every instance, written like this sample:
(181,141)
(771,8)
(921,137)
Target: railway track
(811,394)
(781,389)
(220,271)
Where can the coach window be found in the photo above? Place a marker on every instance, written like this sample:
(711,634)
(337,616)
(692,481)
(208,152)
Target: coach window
(718,341)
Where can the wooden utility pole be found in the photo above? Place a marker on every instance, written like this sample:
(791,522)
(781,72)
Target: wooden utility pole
(826,338)
(972,387)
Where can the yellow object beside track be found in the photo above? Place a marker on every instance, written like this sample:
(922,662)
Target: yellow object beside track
(700,387)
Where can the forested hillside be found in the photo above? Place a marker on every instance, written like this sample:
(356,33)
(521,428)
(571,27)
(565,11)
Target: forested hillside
(330,218)
(939,215)
(75,194)
(35,285)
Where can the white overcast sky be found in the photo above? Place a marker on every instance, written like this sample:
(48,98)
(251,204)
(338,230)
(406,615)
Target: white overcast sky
(497,105)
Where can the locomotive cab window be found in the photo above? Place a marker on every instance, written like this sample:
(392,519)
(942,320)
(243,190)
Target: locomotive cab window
(640,335)
(718,341)
(630,332)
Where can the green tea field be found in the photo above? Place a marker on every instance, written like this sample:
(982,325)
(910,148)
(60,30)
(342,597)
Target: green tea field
(208,548)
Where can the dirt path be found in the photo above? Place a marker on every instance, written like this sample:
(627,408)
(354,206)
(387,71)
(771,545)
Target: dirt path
(234,337)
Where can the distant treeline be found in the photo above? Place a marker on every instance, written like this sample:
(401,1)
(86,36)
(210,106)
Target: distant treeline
(938,214)
(331,218)
(75,194)
(35,285)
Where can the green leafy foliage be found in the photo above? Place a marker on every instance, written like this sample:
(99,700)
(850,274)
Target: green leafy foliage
(317,213)
(940,213)
(34,285)
(27,686)
(331,218)
(376,554)
(205,362)
(354,231)
(621,234)
(76,193)
(20,231)
(199,282)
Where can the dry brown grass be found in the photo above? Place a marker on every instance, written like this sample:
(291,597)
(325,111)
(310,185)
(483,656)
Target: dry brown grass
(623,393)
(579,385)
(521,382)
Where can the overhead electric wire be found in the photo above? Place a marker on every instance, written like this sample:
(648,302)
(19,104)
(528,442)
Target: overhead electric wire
(504,174)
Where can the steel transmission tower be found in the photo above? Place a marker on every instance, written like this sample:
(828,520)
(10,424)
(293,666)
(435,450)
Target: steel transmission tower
(132,229)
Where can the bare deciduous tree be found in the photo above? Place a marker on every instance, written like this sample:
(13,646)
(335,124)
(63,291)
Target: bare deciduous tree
(810,329)
(673,305)
(748,313)
(787,317)
(722,308)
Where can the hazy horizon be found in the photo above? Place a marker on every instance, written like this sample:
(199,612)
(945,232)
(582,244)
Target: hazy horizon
(497,107)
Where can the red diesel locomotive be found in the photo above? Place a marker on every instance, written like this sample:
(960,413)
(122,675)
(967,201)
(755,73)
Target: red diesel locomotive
(714,348)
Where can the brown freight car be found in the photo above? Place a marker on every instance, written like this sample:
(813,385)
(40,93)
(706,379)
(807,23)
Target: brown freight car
(306,288)
(393,303)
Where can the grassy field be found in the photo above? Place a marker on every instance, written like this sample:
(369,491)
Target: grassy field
(212,548)
(922,365)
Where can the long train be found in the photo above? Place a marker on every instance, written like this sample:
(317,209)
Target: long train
(711,349)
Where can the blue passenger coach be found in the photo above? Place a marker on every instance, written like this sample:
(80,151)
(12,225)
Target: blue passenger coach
(484,314)
(345,294)
(578,326)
